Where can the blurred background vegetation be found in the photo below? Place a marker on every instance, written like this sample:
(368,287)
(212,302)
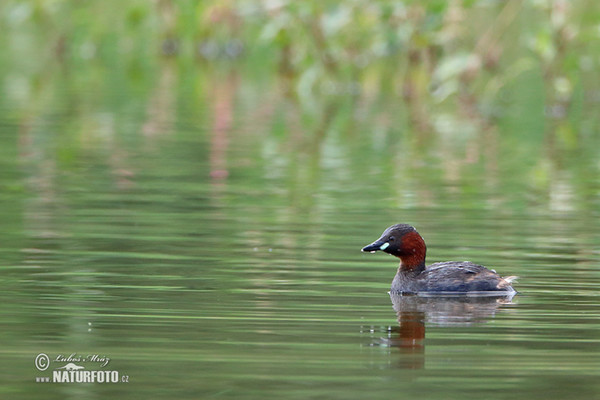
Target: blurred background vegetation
(426,51)
(199,176)
(500,90)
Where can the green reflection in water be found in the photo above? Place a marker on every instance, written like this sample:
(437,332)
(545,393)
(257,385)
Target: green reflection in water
(200,224)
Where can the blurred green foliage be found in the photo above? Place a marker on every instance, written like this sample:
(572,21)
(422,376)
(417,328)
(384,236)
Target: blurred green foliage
(429,52)
(134,130)
(439,47)
(496,85)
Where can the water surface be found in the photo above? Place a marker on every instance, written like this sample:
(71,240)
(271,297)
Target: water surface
(210,246)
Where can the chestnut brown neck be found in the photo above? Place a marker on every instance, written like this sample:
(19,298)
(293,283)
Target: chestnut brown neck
(413,253)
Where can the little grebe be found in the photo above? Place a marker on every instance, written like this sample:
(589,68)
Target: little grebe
(404,242)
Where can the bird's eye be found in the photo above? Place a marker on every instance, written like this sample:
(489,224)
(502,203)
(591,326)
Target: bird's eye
(391,238)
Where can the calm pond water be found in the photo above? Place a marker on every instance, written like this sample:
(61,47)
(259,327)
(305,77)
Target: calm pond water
(205,236)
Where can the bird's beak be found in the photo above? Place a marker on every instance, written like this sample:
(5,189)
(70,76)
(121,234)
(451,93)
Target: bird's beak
(379,244)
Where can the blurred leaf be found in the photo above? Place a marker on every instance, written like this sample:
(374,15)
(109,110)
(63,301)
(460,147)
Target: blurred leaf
(543,46)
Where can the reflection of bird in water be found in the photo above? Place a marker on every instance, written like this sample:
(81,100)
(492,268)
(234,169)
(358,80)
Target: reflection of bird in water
(414,312)
(449,310)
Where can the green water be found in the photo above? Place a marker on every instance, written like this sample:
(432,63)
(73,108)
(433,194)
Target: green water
(223,261)
(200,223)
